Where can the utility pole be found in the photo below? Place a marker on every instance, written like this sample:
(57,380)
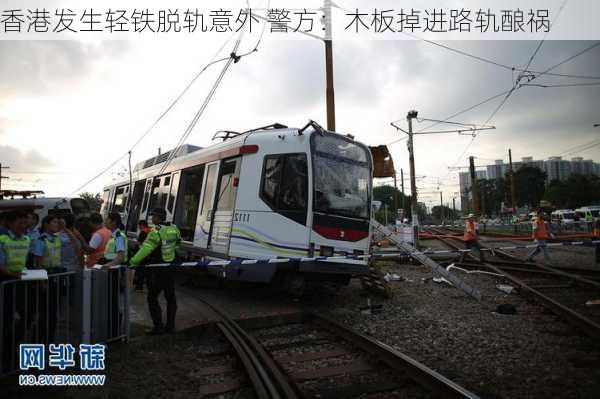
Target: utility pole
(413,181)
(385,213)
(329,67)
(513,190)
(2,177)
(453,209)
(395,199)
(441,208)
(474,188)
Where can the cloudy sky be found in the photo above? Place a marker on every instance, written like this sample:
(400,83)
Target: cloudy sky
(70,108)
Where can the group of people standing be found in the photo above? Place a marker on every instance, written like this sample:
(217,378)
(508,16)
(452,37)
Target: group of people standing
(58,245)
(540,233)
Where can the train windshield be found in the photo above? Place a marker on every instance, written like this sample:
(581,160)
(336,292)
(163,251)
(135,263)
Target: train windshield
(342,176)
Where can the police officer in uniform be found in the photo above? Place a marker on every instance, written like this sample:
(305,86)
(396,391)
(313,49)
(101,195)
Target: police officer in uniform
(15,247)
(47,251)
(115,254)
(160,246)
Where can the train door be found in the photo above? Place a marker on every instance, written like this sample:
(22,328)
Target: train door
(159,195)
(220,230)
(205,215)
(172,195)
(136,205)
(146,201)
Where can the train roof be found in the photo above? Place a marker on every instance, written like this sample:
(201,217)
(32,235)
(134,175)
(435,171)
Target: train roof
(189,155)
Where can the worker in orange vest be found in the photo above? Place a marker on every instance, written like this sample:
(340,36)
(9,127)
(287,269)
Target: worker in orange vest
(540,235)
(470,237)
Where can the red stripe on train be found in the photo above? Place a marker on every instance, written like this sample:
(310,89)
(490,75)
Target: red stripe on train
(336,233)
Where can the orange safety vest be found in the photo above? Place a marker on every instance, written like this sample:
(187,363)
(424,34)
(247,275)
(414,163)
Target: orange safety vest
(596,232)
(539,229)
(470,232)
(95,256)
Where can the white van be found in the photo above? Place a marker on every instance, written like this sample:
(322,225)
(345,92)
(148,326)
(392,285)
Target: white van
(587,211)
(563,216)
(44,206)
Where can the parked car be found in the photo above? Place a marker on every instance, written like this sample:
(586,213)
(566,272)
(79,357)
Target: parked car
(563,217)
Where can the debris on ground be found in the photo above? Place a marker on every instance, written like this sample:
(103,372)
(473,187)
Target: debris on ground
(392,277)
(506,308)
(440,280)
(507,289)
(593,302)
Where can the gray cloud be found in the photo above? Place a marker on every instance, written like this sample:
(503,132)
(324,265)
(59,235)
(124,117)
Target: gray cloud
(23,160)
(39,67)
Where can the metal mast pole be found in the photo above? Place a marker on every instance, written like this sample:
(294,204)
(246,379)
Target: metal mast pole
(474,188)
(453,209)
(2,177)
(413,181)
(395,199)
(329,67)
(513,191)
(441,207)
(402,184)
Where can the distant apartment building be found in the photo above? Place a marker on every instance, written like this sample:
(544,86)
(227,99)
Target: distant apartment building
(556,168)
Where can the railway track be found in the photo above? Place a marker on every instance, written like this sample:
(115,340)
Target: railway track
(304,355)
(564,293)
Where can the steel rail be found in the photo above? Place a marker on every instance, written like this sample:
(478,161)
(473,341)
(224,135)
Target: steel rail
(503,254)
(572,276)
(398,361)
(589,327)
(270,374)
(245,357)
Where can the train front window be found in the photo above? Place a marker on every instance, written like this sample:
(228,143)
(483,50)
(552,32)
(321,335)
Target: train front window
(342,177)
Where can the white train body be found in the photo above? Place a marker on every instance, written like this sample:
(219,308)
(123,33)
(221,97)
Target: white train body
(271,193)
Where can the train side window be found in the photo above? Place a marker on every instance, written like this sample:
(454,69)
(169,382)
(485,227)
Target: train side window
(272,179)
(147,192)
(211,180)
(120,201)
(188,201)
(285,185)
(293,193)
(227,193)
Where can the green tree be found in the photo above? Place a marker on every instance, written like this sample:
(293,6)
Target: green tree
(385,194)
(530,185)
(491,195)
(577,191)
(94,200)
(448,212)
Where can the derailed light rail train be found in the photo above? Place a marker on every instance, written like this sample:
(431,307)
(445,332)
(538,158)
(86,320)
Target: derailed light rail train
(272,192)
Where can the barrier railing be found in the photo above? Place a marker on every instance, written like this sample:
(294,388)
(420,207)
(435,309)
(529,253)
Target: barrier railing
(70,307)
(35,311)
(105,305)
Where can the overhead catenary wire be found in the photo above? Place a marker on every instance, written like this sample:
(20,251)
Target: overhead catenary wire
(478,57)
(517,82)
(160,117)
(234,58)
(172,104)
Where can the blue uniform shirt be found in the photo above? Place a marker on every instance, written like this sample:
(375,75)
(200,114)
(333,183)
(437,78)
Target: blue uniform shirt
(119,241)
(39,245)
